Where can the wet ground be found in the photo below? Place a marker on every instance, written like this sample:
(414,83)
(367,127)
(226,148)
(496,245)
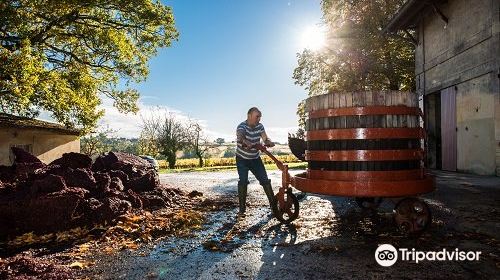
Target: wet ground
(332,239)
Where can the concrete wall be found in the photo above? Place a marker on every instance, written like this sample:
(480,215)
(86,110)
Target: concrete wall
(476,126)
(465,53)
(46,145)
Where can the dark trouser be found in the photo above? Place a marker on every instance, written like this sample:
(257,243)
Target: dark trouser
(259,171)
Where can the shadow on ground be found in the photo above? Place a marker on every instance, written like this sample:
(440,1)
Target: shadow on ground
(332,238)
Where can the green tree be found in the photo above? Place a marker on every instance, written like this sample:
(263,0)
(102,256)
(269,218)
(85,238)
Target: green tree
(64,56)
(358,55)
(122,144)
(220,141)
(198,142)
(97,142)
(165,134)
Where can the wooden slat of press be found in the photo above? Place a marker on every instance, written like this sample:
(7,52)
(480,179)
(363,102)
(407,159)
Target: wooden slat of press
(331,124)
(394,102)
(404,100)
(355,122)
(380,100)
(397,121)
(356,102)
(325,102)
(348,99)
(369,102)
(350,146)
(330,100)
(362,98)
(343,143)
(336,104)
(371,146)
(362,123)
(341,105)
(388,102)
(399,103)
(376,102)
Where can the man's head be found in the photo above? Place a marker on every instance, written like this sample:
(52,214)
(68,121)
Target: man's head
(253,116)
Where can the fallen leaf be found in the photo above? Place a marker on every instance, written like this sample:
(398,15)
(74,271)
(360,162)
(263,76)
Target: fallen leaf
(79,265)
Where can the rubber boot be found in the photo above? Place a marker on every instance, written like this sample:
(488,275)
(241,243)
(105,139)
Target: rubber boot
(242,195)
(268,189)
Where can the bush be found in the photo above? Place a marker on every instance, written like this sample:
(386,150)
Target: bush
(229,153)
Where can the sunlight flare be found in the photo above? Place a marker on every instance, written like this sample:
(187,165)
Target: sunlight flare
(313,37)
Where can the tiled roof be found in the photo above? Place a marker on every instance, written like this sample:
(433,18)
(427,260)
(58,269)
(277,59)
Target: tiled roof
(12,121)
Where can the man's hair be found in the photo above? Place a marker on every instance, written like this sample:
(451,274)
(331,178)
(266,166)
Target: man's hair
(253,109)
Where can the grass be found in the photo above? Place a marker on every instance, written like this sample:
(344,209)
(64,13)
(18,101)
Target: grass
(293,165)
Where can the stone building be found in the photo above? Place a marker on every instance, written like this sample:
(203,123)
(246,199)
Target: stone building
(457,72)
(46,140)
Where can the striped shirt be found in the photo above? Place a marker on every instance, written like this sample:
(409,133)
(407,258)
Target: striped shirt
(252,135)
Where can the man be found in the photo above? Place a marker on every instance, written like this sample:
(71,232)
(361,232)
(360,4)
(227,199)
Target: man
(248,135)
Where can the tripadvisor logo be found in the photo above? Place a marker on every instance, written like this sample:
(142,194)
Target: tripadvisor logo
(387,255)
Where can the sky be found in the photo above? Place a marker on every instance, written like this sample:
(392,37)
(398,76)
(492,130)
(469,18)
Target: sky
(230,56)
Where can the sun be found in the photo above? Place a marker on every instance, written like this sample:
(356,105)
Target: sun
(312,38)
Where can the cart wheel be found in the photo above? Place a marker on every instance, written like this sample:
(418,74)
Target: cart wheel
(368,202)
(290,211)
(412,215)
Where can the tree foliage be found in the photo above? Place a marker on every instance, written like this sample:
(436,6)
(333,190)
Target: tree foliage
(199,143)
(64,56)
(358,55)
(103,140)
(163,133)
(95,143)
(220,141)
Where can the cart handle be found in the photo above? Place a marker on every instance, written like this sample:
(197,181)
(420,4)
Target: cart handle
(263,149)
(285,176)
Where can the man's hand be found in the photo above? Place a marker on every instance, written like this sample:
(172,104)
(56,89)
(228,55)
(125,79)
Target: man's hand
(259,147)
(269,143)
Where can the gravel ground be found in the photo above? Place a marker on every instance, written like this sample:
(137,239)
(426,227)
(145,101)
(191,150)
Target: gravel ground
(332,238)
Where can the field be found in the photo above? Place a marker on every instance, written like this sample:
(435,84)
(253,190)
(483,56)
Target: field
(222,162)
(215,157)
